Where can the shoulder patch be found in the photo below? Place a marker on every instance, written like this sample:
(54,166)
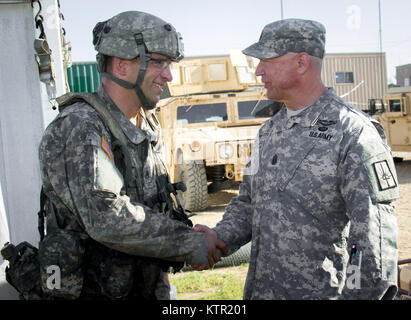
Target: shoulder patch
(106,148)
(384,175)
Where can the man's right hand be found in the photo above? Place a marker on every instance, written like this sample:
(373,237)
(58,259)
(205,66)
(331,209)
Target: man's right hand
(214,246)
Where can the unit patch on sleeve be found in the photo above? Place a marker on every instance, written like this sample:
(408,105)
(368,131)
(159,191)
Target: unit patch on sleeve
(384,175)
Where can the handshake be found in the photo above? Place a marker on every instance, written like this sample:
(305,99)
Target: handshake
(215,247)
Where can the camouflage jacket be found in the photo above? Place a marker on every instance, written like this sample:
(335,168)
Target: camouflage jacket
(79,175)
(316,195)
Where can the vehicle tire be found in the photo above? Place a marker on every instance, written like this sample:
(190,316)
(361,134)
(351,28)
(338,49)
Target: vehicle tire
(194,176)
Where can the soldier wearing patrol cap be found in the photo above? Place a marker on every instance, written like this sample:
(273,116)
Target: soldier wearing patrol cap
(101,171)
(317,195)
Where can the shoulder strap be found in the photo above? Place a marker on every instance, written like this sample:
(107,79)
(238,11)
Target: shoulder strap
(93,100)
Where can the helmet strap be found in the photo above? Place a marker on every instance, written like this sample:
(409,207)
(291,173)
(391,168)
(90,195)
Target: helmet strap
(144,60)
(120,82)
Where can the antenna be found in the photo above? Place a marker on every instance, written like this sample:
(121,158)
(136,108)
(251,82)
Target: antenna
(380,43)
(282,11)
(379,22)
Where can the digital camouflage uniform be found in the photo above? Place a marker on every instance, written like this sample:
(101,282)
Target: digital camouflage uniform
(122,227)
(319,187)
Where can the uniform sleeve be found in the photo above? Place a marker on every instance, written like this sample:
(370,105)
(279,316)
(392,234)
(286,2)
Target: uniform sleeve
(235,228)
(109,217)
(369,186)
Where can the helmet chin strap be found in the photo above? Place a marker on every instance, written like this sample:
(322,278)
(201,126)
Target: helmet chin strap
(144,60)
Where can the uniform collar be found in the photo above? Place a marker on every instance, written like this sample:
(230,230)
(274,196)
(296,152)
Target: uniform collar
(306,118)
(133,133)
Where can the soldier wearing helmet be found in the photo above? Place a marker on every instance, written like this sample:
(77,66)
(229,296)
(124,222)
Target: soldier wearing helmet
(101,171)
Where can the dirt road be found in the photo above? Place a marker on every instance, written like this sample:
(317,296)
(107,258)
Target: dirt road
(217,203)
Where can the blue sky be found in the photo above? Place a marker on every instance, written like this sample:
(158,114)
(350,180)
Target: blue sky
(215,26)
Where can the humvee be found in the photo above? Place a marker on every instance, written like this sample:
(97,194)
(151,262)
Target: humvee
(209,123)
(394,114)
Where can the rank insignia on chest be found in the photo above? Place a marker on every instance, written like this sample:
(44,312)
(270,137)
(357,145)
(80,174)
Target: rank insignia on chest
(106,148)
(384,175)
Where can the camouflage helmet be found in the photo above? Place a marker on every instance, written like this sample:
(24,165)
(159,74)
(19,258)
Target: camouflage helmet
(133,34)
(289,35)
(120,35)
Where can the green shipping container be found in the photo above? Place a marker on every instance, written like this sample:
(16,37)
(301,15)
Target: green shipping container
(83,77)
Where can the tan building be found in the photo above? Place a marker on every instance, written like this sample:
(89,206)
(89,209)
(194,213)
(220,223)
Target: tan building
(403,75)
(356,77)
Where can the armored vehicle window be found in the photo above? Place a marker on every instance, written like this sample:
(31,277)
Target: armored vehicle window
(202,113)
(395,105)
(245,75)
(192,74)
(176,76)
(266,108)
(217,71)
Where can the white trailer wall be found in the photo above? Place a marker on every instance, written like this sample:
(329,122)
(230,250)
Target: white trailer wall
(25,111)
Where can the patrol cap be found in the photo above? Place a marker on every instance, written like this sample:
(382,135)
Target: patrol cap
(289,35)
(121,35)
